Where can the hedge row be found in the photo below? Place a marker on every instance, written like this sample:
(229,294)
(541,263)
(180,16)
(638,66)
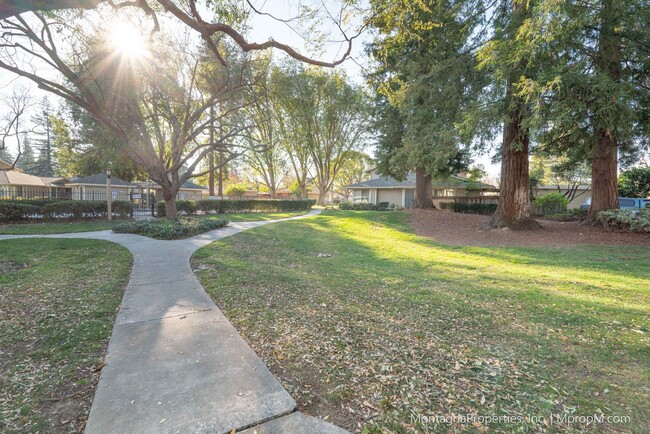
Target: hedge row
(63,209)
(627,219)
(470,208)
(381,206)
(190,207)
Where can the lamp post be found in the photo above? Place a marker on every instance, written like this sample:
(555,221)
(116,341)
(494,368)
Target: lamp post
(109,194)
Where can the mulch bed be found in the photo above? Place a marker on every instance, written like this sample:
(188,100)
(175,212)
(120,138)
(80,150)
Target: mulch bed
(458,229)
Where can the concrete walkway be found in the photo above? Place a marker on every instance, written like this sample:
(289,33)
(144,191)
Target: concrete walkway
(175,364)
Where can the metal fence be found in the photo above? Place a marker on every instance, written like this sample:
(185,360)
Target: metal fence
(143,202)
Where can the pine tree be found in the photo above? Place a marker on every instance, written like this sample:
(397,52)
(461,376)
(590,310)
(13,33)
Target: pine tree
(5,155)
(45,163)
(27,158)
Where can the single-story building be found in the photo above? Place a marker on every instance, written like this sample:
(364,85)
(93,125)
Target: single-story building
(17,185)
(402,193)
(94,188)
(580,193)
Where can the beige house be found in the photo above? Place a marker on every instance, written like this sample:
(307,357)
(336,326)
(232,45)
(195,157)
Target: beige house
(17,185)
(402,193)
(94,188)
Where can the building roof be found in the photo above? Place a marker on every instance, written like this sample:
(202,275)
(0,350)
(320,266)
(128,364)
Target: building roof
(17,177)
(100,179)
(187,185)
(192,186)
(444,182)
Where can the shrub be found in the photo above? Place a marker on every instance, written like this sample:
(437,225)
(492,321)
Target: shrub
(627,219)
(236,190)
(571,215)
(121,207)
(243,206)
(447,205)
(13,212)
(165,229)
(553,202)
(362,206)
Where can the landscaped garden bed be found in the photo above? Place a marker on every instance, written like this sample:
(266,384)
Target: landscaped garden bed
(58,300)
(378,329)
(166,229)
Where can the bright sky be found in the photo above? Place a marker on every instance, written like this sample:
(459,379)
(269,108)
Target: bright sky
(295,34)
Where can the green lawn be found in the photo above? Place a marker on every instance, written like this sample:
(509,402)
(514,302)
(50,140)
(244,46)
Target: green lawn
(255,216)
(88,226)
(57,228)
(393,328)
(58,300)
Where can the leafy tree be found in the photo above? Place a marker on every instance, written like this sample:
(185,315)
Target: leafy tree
(267,157)
(236,190)
(330,119)
(85,147)
(353,171)
(635,182)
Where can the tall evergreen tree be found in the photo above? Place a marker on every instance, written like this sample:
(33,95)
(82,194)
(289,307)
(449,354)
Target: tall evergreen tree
(5,155)
(592,100)
(426,81)
(45,164)
(27,158)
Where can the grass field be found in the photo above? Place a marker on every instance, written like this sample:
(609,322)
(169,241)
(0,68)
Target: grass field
(57,228)
(394,330)
(255,216)
(88,226)
(58,300)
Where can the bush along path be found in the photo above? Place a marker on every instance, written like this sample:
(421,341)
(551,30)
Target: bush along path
(174,362)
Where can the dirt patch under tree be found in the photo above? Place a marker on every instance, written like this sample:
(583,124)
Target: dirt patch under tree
(466,230)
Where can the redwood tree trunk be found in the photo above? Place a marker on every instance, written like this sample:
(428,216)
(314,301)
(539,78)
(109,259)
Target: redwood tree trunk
(604,162)
(423,190)
(513,210)
(604,184)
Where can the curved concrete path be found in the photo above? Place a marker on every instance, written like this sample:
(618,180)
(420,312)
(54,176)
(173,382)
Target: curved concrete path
(175,364)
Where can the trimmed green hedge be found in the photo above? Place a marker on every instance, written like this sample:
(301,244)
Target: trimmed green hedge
(189,207)
(15,212)
(165,229)
(470,208)
(381,206)
(627,219)
(61,209)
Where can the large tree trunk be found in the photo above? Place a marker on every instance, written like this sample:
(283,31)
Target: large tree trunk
(513,210)
(170,203)
(322,196)
(211,174)
(604,184)
(423,190)
(604,161)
